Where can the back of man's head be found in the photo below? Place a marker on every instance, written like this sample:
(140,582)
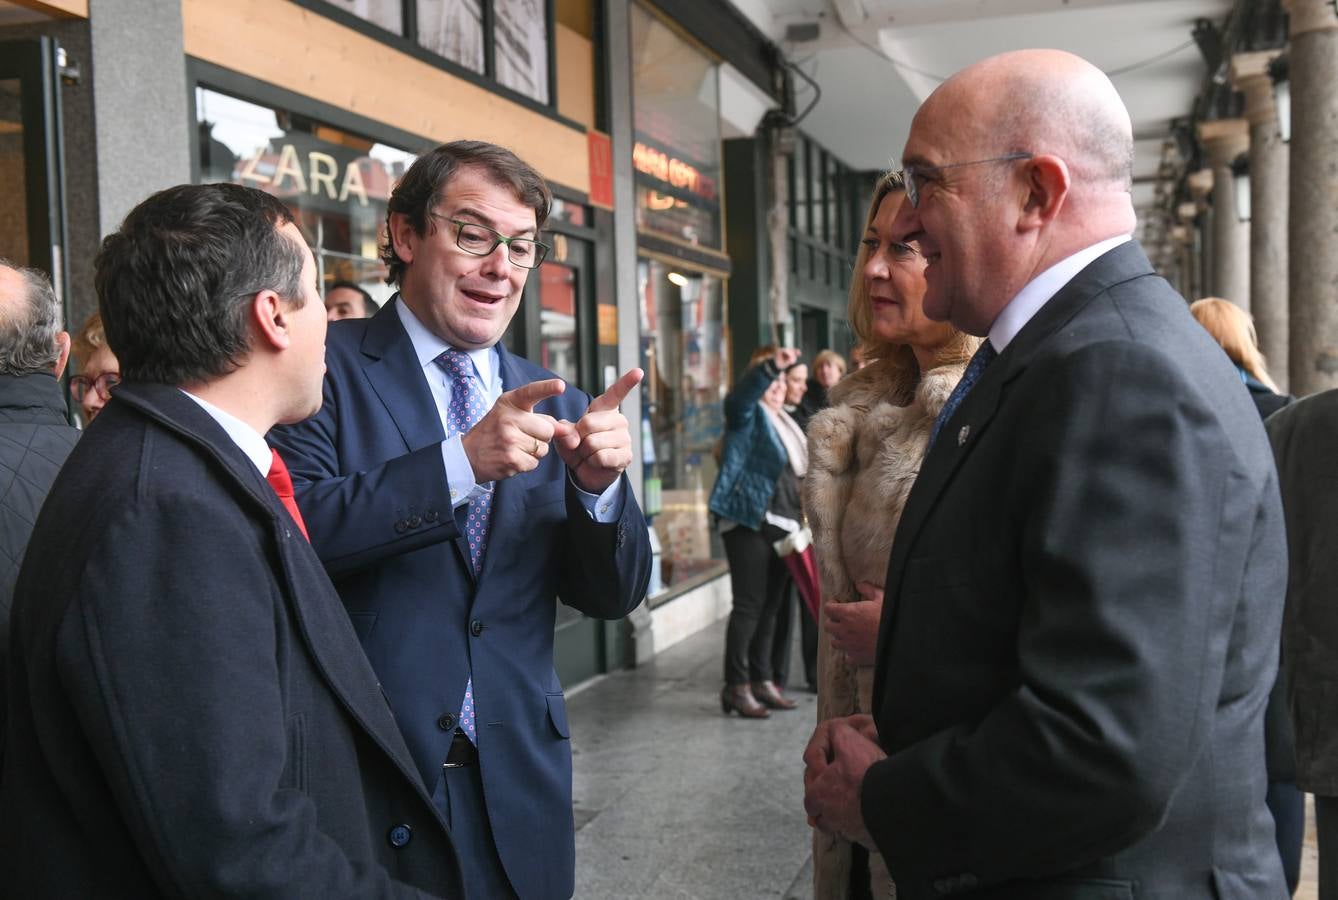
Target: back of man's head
(175,282)
(30,323)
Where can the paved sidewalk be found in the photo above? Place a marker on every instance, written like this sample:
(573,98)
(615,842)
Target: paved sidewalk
(675,801)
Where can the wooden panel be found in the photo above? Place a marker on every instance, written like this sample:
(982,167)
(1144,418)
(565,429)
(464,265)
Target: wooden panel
(575,76)
(291,47)
(64,9)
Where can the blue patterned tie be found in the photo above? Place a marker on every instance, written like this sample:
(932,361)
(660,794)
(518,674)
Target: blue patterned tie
(984,356)
(467,406)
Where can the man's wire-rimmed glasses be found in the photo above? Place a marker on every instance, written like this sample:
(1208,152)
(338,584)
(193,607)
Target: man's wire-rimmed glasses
(914,174)
(480,240)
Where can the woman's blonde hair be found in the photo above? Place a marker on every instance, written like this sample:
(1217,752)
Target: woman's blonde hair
(90,339)
(1233,328)
(898,358)
(829,356)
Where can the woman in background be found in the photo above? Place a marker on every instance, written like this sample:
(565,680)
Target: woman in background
(756,502)
(99,370)
(865,452)
(1233,329)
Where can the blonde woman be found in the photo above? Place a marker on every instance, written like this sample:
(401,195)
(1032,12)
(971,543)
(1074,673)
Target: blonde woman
(1233,328)
(864,455)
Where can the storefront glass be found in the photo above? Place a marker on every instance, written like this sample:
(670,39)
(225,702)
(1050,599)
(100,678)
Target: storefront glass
(676,157)
(388,14)
(683,353)
(336,183)
(453,29)
(520,46)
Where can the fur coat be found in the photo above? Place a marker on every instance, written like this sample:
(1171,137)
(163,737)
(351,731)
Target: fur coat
(864,454)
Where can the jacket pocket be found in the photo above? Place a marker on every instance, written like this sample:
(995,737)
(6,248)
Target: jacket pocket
(363,623)
(295,766)
(557,715)
(1063,889)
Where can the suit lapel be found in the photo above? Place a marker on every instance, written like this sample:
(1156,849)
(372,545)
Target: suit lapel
(391,368)
(953,446)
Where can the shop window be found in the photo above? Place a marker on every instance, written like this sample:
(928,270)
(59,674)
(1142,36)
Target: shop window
(336,183)
(387,14)
(453,29)
(520,46)
(822,213)
(508,41)
(684,357)
(676,117)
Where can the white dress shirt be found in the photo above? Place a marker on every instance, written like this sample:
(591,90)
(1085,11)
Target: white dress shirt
(605,507)
(1040,289)
(250,441)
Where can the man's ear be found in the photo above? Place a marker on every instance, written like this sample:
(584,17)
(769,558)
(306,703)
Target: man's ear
(269,318)
(1047,185)
(403,238)
(63,352)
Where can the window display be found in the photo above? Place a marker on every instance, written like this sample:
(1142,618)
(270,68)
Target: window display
(336,183)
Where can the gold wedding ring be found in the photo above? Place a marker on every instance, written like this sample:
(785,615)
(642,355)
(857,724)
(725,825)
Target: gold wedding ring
(535,451)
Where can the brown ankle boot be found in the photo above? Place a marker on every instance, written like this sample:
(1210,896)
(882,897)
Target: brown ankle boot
(768,694)
(739,698)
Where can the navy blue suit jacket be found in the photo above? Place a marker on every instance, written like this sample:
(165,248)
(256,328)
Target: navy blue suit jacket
(372,486)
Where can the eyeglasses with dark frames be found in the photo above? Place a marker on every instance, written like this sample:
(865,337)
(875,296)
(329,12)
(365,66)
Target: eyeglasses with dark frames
(480,240)
(103,384)
(916,176)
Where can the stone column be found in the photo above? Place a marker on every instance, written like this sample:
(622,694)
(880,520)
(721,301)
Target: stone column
(1198,215)
(139,89)
(1224,140)
(1268,209)
(1313,226)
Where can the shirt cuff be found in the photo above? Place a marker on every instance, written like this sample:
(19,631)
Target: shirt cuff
(459,473)
(606,507)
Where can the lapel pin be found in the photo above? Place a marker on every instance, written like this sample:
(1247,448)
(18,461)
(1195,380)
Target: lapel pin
(963,435)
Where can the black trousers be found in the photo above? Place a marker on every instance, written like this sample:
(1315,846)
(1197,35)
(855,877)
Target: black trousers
(1326,827)
(758,579)
(1287,804)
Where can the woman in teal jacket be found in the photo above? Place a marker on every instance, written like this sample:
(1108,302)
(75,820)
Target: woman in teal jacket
(756,500)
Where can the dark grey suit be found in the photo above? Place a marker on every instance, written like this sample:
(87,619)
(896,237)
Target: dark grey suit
(1081,621)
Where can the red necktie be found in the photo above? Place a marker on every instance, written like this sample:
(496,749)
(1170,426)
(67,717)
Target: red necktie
(282,482)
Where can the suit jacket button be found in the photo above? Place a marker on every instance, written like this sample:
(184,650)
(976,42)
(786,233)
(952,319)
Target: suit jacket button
(415,521)
(401,526)
(476,628)
(446,722)
(430,516)
(399,836)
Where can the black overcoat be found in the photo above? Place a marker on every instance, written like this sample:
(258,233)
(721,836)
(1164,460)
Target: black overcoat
(190,712)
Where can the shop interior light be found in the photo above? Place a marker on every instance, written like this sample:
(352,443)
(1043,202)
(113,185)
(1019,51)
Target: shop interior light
(678,278)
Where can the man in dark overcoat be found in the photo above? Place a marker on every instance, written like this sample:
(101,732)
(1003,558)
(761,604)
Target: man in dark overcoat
(190,712)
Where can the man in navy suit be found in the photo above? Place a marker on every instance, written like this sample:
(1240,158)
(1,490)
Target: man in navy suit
(449,525)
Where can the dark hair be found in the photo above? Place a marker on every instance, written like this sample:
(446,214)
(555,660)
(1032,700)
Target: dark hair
(29,325)
(427,179)
(369,306)
(175,282)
